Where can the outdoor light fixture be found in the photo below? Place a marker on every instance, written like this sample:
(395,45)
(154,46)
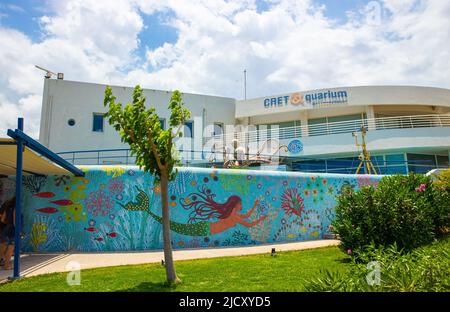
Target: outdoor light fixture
(162,262)
(273,253)
(49,73)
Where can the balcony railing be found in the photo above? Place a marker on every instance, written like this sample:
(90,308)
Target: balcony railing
(122,156)
(371,124)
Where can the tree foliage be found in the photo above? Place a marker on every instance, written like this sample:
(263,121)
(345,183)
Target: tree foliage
(141,129)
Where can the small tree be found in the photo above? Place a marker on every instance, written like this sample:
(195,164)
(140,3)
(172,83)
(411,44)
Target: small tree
(153,148)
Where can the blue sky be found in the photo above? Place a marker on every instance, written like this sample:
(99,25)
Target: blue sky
(24,15)
(203,46)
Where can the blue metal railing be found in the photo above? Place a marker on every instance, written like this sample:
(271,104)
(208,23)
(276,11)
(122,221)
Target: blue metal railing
(122,156)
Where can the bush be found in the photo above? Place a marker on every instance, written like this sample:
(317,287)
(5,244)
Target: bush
(406,210)
(443,180)
(424,269)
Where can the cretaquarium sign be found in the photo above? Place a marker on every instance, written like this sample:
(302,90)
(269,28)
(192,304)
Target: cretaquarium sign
(308,99)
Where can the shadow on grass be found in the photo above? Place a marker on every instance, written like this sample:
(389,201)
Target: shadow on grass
(345,260)
(150,287)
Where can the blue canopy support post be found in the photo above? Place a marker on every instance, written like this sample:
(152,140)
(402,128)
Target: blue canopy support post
(17,221)
(22,142)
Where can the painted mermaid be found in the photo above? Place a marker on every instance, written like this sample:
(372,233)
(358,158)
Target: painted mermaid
(203,208)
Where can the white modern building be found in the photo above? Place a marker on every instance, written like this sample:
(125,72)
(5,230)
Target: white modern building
(408,127)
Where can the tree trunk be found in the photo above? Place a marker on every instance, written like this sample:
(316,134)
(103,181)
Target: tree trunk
(168,259)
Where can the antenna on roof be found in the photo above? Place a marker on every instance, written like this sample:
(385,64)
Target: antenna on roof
(49,73)
(245,84)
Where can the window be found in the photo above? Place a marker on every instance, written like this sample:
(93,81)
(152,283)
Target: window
(347,123)
(97,124)
(317,126)
(162,122)
(218,128)
(287,130)
(309,166)
(421,163)
(188,129)
(442,161)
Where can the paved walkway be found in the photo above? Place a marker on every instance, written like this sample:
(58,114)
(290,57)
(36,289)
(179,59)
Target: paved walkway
(36,264)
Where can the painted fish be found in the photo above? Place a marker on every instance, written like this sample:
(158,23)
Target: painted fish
(315,234)
(62,202)
(111,234)
(303,229)
(90,229)
(44,194)
(47,210)
(99,239)
(290,236)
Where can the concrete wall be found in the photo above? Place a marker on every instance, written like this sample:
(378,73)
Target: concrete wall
(103,212)
(64,100)
(356,96)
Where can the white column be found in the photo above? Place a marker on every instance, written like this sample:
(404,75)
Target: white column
(304,122)
(370,113)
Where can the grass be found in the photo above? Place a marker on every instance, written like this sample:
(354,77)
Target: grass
(287,271)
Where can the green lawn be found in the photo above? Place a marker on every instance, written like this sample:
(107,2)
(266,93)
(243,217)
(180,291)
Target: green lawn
(287,271)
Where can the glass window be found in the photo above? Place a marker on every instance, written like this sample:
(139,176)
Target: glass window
(309,166)
(344,127)
(342,165)
(395,170)
(265,131)
(162,122)
(97,124)
(287,130)
(395,159)
(188,129)
(218,128)
(317,126)
(421,163)
(442,161)
(421,159)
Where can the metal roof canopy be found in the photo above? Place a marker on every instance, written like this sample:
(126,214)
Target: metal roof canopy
(32,162)
(22,154)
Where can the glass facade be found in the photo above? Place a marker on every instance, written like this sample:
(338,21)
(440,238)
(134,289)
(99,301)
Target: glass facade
(422,163)
(337,124)
(384,164)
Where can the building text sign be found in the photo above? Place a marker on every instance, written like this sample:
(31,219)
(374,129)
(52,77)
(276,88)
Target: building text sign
(307,99)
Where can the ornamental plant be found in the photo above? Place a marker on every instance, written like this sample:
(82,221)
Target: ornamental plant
(153,147)
(423,269)
(408,210)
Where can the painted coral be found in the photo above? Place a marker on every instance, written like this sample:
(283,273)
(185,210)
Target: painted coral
(98,203)
(292,202)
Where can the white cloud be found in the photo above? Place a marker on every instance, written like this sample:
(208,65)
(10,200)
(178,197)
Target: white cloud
(292,45)
(87,40)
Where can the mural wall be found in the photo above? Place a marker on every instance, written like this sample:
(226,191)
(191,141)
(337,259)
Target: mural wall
(117,208)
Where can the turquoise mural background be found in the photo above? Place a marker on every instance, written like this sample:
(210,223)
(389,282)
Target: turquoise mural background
(103,211)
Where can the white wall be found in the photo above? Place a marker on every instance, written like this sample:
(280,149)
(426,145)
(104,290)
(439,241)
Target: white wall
(356,96)
(64,100)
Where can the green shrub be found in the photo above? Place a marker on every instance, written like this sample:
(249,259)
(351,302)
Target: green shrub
(443,180)
(423,269)
(405,210)
(442,183)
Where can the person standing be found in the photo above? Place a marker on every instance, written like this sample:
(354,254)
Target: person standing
(7,232)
